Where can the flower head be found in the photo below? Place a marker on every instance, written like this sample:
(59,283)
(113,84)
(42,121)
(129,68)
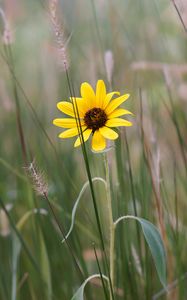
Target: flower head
(96,113)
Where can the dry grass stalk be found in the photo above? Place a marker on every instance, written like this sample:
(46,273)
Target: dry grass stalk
(118,291)
(179,15)
(59,35)
(153,164)
(154,170)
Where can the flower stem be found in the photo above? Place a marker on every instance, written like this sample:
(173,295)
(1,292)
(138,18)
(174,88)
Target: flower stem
(111,225)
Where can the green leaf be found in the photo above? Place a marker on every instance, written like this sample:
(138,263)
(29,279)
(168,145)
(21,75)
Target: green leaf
(79,295)
(156,247)
(85,186)
(155,244)
(28,214)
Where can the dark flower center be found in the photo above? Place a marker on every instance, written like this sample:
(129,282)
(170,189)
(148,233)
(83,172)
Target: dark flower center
(95,118)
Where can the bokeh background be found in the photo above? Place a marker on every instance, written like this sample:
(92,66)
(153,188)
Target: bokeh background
(145,44)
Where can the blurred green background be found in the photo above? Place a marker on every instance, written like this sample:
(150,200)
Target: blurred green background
(148,164)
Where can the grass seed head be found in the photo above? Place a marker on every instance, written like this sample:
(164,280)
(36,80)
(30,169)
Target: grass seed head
(38,179)
(7,37)
(59,35)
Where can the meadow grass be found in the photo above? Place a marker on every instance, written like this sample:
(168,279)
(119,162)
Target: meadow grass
(136,47)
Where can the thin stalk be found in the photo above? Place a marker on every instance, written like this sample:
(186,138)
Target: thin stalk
(24,245)
(148,160)
(9,55)
(133,196)
(85,156)
(98,32)
(179,15)
(19,236)
(111,224)
(62,232)
(103,283)
(35,116)
(175,119)
(63,235)
(176,202)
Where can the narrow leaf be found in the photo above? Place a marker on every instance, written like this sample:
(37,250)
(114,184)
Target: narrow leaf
(74,210)
(16,248)
(28,214)
(156,247)
(79,295)
(155,244)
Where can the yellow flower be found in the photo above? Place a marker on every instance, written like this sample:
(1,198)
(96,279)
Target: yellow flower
(97,113)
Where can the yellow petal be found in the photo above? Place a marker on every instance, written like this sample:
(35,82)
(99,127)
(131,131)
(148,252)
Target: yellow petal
(100,93)
(70,132)
(115,103)
(98,141)
(108,133)
(109,97)
(87,93)
(117,122)
(81,105)
(66,123)
(86,135)
(77,98)
(119,112)
(66,108)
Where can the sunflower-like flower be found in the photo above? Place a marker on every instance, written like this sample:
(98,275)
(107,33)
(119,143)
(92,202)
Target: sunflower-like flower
(96,113)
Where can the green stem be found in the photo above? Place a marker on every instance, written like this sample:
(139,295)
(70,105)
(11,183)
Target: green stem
(112,238)
(111,224)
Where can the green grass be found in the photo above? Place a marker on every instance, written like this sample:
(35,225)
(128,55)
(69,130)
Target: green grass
(147,166)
